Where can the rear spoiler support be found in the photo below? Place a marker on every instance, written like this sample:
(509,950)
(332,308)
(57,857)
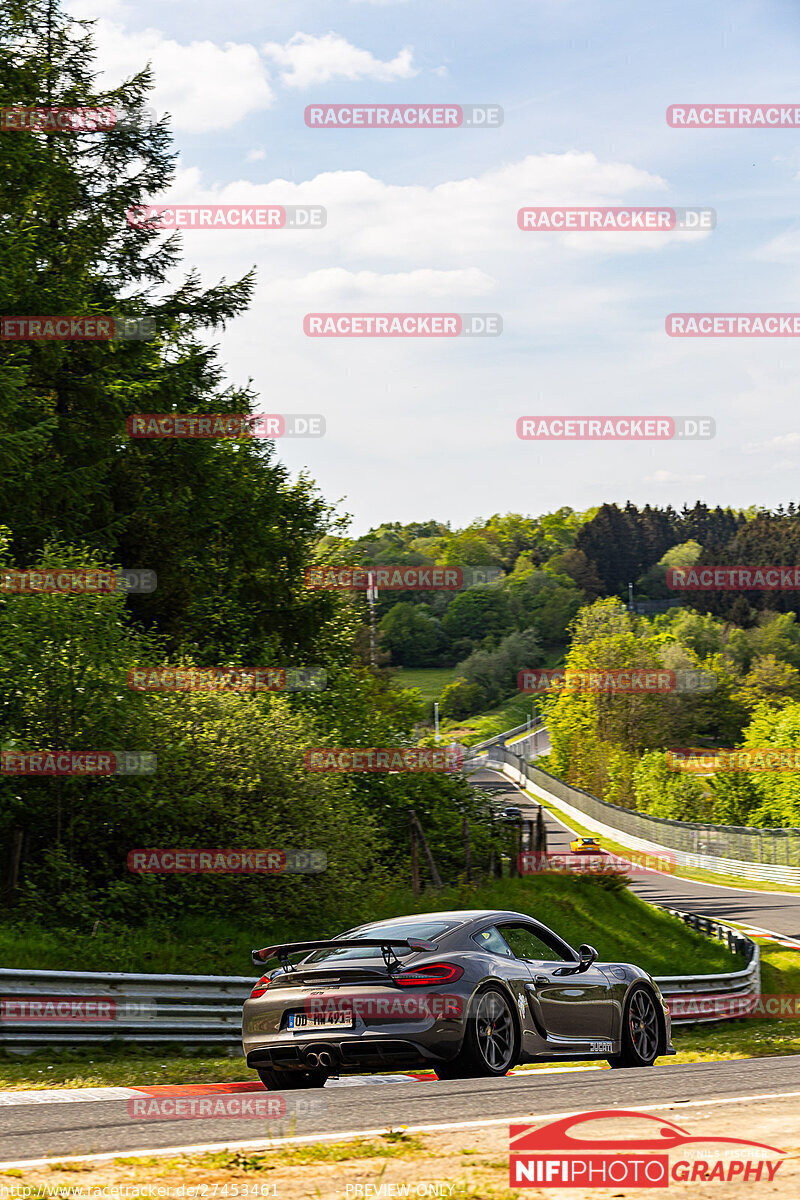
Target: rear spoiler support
(385,945)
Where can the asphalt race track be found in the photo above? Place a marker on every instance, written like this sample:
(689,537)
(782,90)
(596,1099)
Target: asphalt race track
(776,912)
(104,1121)
(31,1131)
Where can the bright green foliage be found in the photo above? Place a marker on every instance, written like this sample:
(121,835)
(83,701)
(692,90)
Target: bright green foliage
(461,699)
(662,792)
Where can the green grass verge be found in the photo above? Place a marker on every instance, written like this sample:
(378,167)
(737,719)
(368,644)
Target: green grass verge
(579,908)
(431,681)
(507,715)
(391,1145)
(751,1037)
(190,946)
(118,1065)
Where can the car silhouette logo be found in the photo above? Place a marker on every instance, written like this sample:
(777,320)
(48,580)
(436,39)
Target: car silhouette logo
(557,1135)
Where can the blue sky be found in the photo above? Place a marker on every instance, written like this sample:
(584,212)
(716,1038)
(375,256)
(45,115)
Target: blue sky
(425,220)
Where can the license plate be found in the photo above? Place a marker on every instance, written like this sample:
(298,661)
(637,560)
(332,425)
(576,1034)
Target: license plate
(334,1020)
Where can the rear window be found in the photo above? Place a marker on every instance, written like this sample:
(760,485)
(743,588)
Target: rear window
(429,931)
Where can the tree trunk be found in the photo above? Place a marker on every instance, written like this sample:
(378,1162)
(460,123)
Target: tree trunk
(436,878)
(467,851)
(412,838)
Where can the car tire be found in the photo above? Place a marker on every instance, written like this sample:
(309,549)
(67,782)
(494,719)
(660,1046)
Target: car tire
(640,1030)
(491,1044)
(286,1081)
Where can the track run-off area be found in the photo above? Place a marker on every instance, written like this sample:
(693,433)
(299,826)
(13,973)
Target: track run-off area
(97,1128)
(96,1125)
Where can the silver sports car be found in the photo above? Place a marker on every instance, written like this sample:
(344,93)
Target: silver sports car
(468,993)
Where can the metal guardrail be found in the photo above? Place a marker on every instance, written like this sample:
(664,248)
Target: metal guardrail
(73,1008)
(731,986)
(109,1006)
(770,855)
(501,738)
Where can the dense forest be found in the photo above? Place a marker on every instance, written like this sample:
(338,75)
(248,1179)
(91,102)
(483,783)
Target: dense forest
(222,525)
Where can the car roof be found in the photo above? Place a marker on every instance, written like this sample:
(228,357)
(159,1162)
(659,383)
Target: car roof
(455,914)
(465,918)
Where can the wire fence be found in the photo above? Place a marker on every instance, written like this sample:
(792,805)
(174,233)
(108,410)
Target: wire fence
(753,853)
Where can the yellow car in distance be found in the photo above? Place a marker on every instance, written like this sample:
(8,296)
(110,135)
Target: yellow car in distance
(585,845)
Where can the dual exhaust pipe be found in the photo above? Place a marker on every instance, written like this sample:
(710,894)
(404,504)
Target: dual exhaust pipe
(322,1059)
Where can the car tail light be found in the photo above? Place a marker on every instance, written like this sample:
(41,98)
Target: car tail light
(260,987)
(429,975)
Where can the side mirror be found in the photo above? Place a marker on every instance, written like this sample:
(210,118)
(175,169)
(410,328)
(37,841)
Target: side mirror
(586,956)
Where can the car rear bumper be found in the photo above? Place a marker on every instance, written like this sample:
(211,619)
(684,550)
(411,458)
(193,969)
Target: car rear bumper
(375,1039)
(362,1054)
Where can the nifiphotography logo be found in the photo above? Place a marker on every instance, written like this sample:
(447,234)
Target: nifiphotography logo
(657,1154)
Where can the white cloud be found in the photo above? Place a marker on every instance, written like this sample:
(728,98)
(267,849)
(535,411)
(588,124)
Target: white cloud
(579,335)
(671,477)
(305,61)
(335,284)
(88,10)
(256,156)
(374,226)
(779,249)
(783,441)
(183,72)
(476,216)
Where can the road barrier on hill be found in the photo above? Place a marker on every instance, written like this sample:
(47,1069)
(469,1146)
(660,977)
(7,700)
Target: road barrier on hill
(501,738)
(74,1008)
(768,855)
(733,986)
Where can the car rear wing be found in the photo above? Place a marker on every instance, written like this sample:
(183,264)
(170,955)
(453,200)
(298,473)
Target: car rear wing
(385,945)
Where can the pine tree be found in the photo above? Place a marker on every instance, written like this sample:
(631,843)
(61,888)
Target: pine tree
(220,522)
